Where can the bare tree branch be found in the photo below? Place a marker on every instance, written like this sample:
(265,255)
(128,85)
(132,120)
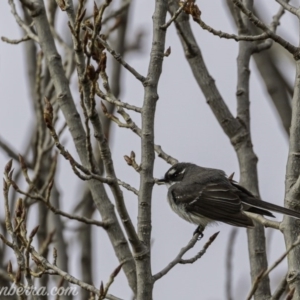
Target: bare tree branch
(221,34)
(143,263)
(131,125)
(271,268)
(15,42)
(291,228)
(289,7)
(179,260)
(88,91)
(201,252)
(245,36)
(236,129)
(128,187)
(71,115)
(273,78)
(118,57)
(52,75)
(21,23)
(285,44)
(264,221)
(63,274)
(176,14)
(46,202)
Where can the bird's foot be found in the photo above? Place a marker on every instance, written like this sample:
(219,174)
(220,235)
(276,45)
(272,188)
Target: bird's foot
(199,230)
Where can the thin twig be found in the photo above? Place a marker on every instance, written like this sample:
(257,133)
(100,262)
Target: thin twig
(15,42)
(117,102)
(48,115)
(117,57)
(175,16)
(46,264)
(113,275)
(162,154)
(201,252)
(128,187)
(8,223)
(131,125)
(285,44)
(235,37)
(295,11)
(55,210)
(259,37)
(21,23)
(178,259)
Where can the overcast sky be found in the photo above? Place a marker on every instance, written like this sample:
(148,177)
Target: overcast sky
(187,130)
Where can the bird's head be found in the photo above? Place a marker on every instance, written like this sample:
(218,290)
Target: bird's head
(174,174)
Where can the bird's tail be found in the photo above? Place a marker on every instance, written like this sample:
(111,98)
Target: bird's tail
(273,207)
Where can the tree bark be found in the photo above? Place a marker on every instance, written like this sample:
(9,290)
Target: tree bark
(291,226)
(143,264)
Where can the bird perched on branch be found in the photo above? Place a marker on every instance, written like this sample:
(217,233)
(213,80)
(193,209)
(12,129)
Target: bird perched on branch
(203,195)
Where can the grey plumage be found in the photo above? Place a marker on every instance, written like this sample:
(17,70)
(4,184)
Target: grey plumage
(203,195)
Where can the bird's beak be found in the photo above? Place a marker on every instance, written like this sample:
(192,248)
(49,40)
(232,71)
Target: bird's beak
(161,181)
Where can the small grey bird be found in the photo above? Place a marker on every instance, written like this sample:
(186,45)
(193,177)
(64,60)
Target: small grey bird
(203,195)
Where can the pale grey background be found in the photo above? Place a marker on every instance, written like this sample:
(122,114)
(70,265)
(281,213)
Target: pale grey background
(186,129)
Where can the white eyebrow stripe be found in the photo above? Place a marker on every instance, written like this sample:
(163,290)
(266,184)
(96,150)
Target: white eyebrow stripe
(172,171)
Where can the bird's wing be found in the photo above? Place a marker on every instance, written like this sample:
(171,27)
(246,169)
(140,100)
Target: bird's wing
(253,204)
(217,201)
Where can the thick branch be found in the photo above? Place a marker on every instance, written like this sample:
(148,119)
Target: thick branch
(143,264)
(291,226)
(234,128)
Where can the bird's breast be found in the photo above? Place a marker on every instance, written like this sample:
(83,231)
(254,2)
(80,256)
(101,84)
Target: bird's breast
(180,210)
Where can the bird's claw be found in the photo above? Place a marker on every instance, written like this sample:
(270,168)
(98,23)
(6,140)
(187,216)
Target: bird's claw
(199,230)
